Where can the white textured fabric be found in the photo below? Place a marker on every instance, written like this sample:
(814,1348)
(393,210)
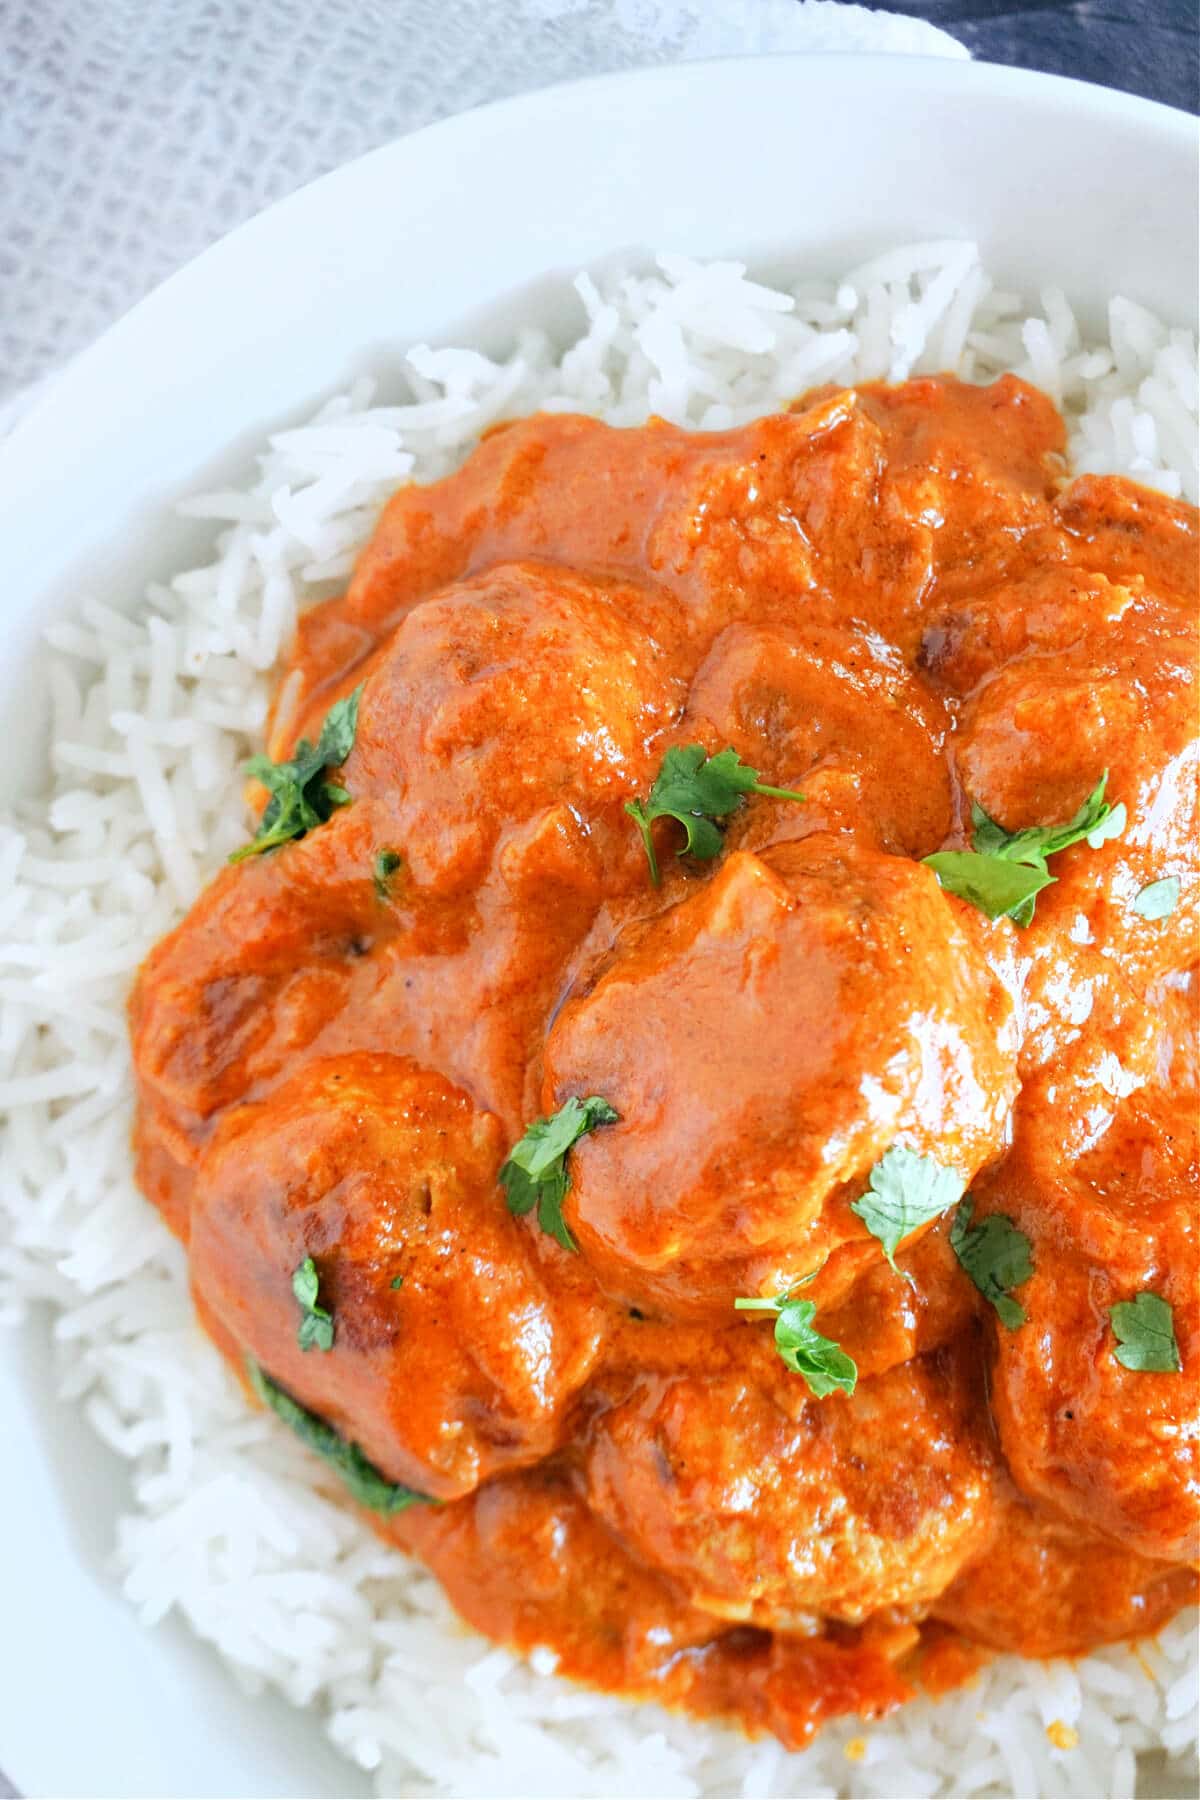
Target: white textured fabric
(135,132)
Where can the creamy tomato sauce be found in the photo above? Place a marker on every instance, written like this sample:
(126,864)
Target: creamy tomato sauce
(893,600)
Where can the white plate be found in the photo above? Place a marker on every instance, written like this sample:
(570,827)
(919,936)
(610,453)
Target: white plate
(813,159)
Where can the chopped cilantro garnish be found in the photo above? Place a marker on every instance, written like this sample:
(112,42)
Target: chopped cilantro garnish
(366,1484)
(535,1172)
(1144,1328)
(1158,899)
(905,1190)
(697,789)
(823,1364)
(301,798)
(316,1327)
(997,1256)
(1002,890)
(1006,870)
(386,864)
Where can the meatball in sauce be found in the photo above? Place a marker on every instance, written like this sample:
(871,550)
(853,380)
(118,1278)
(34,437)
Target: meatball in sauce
(735,1252)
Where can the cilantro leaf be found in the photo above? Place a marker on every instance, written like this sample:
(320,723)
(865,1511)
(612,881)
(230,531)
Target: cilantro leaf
(1002,890)
(366,1483)
(1005,871)
(696,790)
(535,1170)
(386,864)
(1096,821)
(316,1327)
(300,797)
(1158,899)
(997,1256)
(905,1190)
(1145,1331)
(823,1364)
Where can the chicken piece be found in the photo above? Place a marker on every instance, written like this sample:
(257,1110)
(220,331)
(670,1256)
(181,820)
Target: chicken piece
(519,690)
(764,1043)
(1046,1588)
(839,717)
(1114,1448)
(864,498)
(458,1335)
(475,1003)
(770,1508)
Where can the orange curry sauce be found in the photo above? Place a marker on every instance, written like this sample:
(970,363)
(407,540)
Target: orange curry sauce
(893,599)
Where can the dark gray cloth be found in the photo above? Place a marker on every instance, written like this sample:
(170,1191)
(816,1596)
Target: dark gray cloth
(1148,47)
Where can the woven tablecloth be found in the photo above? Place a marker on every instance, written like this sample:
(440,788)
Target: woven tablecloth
(133,133)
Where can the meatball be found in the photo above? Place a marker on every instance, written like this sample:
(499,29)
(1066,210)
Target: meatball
(838,716)
(518,690)
(764,1042)
(789,502)
(500,714)
(791,513)
(880,1321)
(1045,1588)
(1042,613)
(853,506)
(455,1346)
(529,489)
(1099,681)
(769,1508)
(1115,1448)
(259,964)
(525,1560)
(1138,536)
(972,468)
(297,954)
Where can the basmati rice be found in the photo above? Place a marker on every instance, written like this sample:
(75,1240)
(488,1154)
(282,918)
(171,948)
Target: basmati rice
(229,1522)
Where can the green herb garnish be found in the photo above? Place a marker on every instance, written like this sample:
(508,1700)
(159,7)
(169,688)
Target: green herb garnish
(316,1327)
(1158,899)
(697,789)
(535,1172)
(905,1190)
(301,798)
(1002,890)
(1006,870)
(997,1256)
(1145,1332)
(366,1484)
(386,864)
(823,1364)
(397,1281)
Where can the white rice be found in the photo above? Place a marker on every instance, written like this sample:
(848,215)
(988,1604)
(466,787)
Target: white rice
(230,1523)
